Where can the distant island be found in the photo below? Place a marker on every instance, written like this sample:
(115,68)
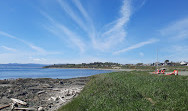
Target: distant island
(110,65)
(97,65)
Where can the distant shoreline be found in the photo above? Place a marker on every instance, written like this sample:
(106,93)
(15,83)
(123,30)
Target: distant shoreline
(93,69)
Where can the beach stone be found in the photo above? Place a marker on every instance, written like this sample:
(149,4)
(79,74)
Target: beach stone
(38,92)
(61,82)
(40,109)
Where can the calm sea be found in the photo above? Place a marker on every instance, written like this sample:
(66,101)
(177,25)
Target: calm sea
(13,71)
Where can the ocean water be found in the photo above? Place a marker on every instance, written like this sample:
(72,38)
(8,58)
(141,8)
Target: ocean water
(13,71)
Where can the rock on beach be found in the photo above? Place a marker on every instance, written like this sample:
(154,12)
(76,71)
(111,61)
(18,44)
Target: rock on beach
(43,94)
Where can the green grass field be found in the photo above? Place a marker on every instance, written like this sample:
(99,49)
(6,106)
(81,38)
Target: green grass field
(152,68)
(132,91)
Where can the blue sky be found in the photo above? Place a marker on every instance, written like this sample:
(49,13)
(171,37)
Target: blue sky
(76,31)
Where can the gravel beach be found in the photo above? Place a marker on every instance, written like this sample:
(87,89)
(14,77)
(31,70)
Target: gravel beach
(43,94)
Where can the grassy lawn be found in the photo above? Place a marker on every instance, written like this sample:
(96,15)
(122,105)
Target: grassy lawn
(131,91)
(152,68)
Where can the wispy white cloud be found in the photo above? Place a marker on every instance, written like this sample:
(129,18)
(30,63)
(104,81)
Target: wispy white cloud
(113,33)
(91,31)
(179,52)
(125,16)
(8,48)
(177,33)
(138,4)
(59,29)
(36,59)
(39,49)
(141,44)
(176,30)
(74,38)
(82,10)
(22,56)
(72,14)
(28,57)
(39,60)
(36,48)
(17,57)
(178,49)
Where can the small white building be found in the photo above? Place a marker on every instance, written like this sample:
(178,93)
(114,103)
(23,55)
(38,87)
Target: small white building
(183,63)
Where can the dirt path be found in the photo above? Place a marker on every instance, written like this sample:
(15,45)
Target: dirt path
(183,73)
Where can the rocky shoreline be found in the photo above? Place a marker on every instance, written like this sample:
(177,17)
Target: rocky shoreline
(42,94)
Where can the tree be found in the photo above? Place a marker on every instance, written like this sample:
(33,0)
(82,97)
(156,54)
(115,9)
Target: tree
(139,64)
(166,61)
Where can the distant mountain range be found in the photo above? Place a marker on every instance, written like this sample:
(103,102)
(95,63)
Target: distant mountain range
(22,65)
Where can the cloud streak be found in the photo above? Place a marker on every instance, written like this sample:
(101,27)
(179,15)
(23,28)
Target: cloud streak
(59,30)
(74,38)
(113,33)
(72,14)
(125,16)
(176,30)
(179,52)
(8,48)
(82,10)
(116,32)
(141,44)
(36,48)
